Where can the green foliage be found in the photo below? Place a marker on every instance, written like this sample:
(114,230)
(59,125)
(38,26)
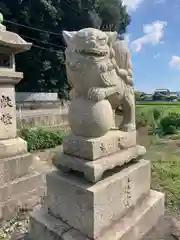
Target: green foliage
(141,119)
(157,114)
(139,95)
(113,15)
(160,119)
(170,124)
(43,65)
(40,138)
(165,177)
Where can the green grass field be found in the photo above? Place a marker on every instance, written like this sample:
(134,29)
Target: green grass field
(165,107)
(164,153)
(158,103)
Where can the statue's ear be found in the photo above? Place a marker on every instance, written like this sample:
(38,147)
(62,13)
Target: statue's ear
(112,36)
(68,36)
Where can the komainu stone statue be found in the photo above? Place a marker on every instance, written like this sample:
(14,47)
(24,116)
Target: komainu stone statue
(100,73)
(100,189)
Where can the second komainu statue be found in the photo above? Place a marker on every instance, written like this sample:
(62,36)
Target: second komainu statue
(100,72)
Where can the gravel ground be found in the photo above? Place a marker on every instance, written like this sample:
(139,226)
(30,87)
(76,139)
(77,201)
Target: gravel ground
(168,228)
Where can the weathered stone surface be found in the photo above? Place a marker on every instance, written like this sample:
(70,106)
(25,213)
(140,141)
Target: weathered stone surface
(25,192)
(16,187)
(7,112)
(14,167)
(94,148)
(20,185)
(134,225)
(13,40)
(91,208)
(101,80)
(43,226)
(12,147)
(10,77)
(94,170)
(121,205)
(88,118)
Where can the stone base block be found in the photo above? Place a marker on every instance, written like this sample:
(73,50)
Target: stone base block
(134,225)
(23,192)
(92,208)
(94,148)
(12,147)
(94,170)
(14,167)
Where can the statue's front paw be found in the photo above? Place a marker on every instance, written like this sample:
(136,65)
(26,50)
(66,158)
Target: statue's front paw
(96,94)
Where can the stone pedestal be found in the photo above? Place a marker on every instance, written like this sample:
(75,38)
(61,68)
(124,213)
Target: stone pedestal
(138,221)
(117,205)
(20,184)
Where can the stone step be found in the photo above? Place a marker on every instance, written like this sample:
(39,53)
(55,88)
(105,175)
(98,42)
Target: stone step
(12,147)
(14,167)
(134,225)
(22,192)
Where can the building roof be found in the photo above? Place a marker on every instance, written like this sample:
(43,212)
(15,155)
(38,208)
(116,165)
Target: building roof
(158,90)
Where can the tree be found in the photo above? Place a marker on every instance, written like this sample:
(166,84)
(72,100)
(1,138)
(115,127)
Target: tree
(114,15)
(43,65)
(140,95)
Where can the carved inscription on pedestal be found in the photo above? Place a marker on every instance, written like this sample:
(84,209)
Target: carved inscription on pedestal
(5,103)
(127,192)
(121,140)
(109,146)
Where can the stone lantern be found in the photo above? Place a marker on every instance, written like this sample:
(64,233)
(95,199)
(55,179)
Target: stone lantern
(10,44)
(18,181)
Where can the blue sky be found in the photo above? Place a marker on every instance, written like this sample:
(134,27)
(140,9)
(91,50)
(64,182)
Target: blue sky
(154,41)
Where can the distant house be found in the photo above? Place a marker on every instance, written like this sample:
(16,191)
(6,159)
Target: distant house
(161,91)
(173,96)
(164,95)
(148,97)
(161,94)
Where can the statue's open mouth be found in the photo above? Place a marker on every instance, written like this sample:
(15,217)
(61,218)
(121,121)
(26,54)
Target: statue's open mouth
(93,52)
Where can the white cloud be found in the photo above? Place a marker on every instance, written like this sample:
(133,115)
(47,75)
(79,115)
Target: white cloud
(132,4)
(175,62)
(153,34)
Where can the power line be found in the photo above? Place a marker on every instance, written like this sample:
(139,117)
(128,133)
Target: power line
(37,40)
(42,30)
(38,29)
(33,28)
(47,49)
(73,7)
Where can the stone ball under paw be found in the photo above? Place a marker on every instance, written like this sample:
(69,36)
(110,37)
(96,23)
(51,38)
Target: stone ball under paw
(90,119)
